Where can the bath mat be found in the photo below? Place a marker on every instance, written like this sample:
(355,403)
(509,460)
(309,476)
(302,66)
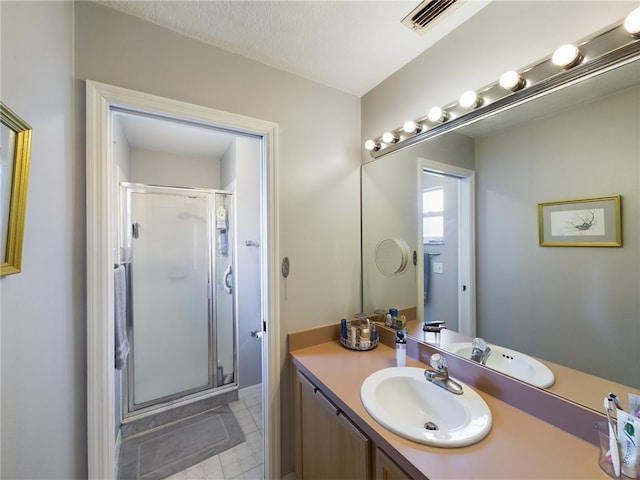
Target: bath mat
(162,452)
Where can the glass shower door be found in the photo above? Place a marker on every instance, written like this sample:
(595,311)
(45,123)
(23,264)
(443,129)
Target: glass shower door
(171,266)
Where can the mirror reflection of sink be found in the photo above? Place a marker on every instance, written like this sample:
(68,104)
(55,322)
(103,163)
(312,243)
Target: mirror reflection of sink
(404,402)
(510,362)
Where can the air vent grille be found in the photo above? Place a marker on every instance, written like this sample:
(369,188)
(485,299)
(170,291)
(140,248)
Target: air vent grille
(426,13)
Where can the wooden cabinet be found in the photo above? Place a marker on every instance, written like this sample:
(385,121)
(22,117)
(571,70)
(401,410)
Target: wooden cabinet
(386,469)
(330,445)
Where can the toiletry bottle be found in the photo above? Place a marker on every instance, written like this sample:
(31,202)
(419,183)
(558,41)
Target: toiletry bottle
(389,320)
(365,337)
(401,350)
(343,328)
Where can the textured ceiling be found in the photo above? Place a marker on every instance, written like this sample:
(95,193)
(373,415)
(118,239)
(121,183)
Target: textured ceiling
(348,45)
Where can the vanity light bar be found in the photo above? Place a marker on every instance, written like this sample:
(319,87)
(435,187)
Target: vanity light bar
(568,64)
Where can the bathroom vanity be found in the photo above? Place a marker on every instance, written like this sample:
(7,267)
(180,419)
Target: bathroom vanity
(335,437)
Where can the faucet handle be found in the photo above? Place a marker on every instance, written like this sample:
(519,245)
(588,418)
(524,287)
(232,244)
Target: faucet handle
(438,362)
(433,326)
(479,343)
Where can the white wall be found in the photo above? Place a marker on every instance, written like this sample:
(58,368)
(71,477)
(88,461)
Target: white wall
(162,168)
(318,179)
(43,307)
(240,174)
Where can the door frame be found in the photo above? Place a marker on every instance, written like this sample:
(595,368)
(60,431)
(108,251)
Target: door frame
(101,211)
(466,241)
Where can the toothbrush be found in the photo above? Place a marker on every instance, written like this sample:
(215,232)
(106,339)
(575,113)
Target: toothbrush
(614,398)
(613,439)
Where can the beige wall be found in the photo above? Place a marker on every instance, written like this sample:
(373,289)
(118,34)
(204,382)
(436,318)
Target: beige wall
(43,347)
(318,179)
(43,308)
(562,304)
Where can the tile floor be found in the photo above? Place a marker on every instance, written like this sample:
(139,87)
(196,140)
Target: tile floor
(244,461)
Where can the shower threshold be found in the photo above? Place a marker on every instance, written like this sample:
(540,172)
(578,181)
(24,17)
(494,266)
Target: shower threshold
(159,415)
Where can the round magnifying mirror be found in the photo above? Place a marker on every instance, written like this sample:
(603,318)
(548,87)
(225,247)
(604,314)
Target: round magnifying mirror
(392,256)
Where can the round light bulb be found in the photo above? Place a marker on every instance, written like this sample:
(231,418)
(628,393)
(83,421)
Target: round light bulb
(632,23)
(469,99)
(512,80)
(436,114)
(411,127)
(566,56)
(371,145)
(389,137)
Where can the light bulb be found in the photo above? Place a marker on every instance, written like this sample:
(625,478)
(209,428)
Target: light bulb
(470,99)
(632,23)
(371,146)
(512,80)
(567,56)
(411,127)
(436,114)
(389,137)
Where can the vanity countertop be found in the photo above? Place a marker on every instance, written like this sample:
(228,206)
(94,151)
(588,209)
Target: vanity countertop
(519,446)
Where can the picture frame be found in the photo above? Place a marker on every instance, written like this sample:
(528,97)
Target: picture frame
(587,222)
(15,151)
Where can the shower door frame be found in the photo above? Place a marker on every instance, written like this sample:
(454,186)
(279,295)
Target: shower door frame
(101,99)
(213,386)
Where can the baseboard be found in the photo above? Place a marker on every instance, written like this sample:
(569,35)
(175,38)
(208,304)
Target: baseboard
(250,391)
(118,442)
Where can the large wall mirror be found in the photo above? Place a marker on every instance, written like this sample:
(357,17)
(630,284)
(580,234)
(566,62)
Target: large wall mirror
(575,307)
(15,144)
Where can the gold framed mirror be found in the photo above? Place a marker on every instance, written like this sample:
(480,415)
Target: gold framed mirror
(15,147)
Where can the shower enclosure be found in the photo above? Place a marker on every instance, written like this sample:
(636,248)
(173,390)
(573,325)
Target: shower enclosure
(177,249)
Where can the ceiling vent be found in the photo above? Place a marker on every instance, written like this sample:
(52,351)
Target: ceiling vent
(427,13)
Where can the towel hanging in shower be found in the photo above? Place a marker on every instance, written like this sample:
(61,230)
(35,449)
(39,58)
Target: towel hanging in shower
(120,316)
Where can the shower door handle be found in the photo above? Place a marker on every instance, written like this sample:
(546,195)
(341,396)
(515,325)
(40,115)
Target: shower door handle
(256,334)
(227,280)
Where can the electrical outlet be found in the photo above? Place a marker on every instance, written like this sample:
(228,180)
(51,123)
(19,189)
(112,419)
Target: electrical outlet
(437,267)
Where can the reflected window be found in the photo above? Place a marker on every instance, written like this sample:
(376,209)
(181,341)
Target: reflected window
(433,215)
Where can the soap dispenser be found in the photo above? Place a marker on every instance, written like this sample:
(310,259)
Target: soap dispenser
(401,349)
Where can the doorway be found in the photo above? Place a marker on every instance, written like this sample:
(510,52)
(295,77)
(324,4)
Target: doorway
(447,284)
(102,179)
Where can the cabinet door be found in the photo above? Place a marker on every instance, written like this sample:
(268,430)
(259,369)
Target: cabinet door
(332,447)
(316,423)
(355,448)
(386,469)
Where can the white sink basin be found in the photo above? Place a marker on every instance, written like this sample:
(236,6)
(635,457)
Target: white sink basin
(510,362)
(403,401)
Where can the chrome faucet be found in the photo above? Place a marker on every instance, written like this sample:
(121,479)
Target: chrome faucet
(440,375)
(480,351)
